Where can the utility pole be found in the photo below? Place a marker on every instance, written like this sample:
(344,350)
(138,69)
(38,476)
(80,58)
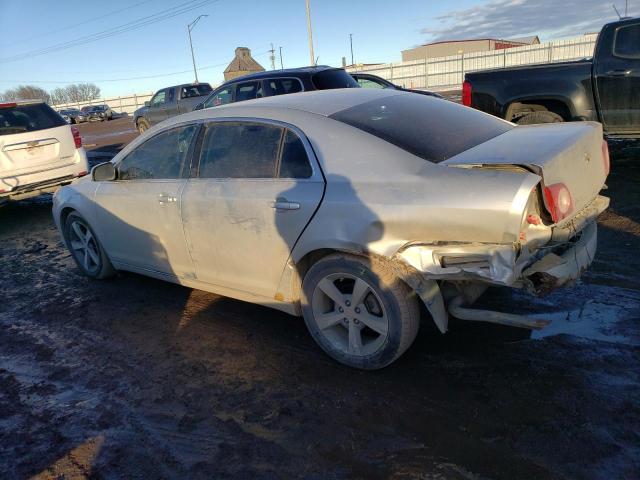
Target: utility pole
(193,58)
(273,58)
(311,55)
(281,66)
(351,42)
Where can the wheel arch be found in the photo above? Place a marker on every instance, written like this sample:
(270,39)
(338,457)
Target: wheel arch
(427,290)
(556,104)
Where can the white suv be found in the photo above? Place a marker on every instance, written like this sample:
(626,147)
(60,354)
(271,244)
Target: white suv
(39,152)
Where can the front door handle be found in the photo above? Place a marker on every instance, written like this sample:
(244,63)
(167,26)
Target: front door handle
(618,73)
(284,204)
(165,198)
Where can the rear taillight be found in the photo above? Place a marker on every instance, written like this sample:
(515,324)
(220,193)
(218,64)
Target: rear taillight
(466,93)
(76,136)
(559,201)
(605,157)
(8,104)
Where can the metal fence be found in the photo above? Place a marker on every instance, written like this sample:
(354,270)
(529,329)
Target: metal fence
(126,104)
(446,73)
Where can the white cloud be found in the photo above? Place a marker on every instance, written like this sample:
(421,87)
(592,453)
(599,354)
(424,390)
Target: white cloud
(516,18)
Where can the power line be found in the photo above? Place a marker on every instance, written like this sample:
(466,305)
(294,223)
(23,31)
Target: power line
(120,29)
(75,25)
(125,79)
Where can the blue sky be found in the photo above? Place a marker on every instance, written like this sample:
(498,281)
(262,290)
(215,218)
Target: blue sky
(380,28)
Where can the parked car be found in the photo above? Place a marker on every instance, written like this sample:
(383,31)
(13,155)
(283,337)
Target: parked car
(348,207)
(97,112)
(72,115)
(368,80)
(605,88)
(169,102)
(39,152)
(278,82)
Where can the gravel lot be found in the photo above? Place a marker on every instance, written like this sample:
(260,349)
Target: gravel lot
(136,378)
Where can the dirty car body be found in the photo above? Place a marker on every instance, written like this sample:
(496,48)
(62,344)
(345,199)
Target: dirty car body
(375,198)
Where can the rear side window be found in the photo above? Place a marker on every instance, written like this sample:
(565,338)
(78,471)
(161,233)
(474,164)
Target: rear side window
(336,78)
(239,150)
(164,156)
(424,126)
(28,118)
(627,42)
(294,162)
(282,86)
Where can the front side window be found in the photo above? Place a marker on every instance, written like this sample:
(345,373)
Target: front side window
(248,91)
(192,91)
(239,150)
(159,98)
(219,98)
(366,83)
(164,156)
(282,86)
(294,162)
(424,125)
(627,42)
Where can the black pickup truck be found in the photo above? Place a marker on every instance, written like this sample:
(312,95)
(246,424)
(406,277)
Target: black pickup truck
(605,88)
(169,102)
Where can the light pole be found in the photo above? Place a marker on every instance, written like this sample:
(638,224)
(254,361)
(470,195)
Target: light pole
(281,65)
(313,58)
(193,58)
(351,42)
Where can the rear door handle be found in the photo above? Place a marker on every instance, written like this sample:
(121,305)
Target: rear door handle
(284,204)
(165,198)
(618,73)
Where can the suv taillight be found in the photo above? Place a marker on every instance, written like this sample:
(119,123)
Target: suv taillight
(466,93)
(605,157)
(559,201)
(76,136)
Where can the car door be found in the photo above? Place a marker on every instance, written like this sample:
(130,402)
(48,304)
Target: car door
(257,186)
(618,80)
(138,214)
(157,111)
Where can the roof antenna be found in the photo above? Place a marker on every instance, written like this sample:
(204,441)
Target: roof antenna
(617,12)
(626,8)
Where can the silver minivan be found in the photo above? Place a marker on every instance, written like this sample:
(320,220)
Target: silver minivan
(39,151)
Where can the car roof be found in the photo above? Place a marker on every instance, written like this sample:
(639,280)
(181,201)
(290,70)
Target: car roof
(286,72)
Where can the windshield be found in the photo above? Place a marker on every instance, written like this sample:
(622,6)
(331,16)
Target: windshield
(334,78)
(28,118)
(425,126)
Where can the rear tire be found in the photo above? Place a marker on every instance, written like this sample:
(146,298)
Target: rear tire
(539,117)
(142,125)
(85,248)
(368,332)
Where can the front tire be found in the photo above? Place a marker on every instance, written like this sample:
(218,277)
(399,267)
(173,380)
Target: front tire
(358,311)
(142,125)
(85,248)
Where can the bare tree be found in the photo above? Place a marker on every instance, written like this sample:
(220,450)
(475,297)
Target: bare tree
(73,94)
(89,91)
(27,92)
(59,95)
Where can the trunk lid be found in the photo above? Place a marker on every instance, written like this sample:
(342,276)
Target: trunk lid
(570,154)
(33,138)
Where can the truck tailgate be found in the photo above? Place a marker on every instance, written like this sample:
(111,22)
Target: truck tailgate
(570,154)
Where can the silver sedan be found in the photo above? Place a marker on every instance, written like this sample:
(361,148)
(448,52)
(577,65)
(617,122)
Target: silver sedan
(349,208)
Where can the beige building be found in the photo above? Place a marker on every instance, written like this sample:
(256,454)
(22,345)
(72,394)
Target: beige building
(242,64)
(456,47)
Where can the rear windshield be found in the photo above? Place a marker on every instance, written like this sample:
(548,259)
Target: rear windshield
(427,127)
(196,90)
(329,79)
(28,118)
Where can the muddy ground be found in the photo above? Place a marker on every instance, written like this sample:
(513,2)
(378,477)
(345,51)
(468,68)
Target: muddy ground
(136,378)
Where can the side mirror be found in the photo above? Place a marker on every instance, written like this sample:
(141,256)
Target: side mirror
(199,106)
(103,172)
(147,103)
